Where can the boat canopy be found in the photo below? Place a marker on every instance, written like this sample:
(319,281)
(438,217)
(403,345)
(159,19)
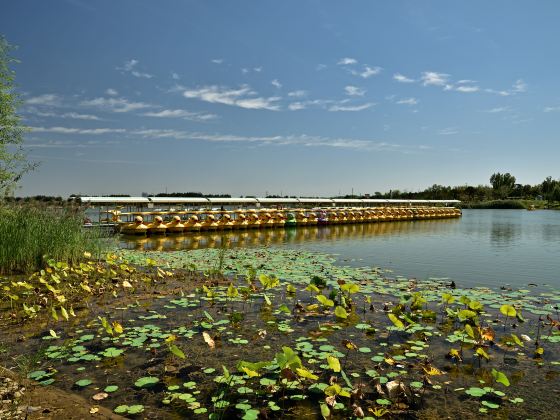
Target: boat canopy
(256,200)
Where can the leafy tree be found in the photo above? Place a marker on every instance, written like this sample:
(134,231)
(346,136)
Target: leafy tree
(502,184)
(13,162)
(555,193)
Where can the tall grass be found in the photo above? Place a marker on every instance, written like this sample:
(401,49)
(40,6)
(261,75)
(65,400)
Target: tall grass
(30,235)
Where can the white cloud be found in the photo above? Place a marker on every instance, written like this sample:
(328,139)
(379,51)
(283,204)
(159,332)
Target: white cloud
(276,83)
(367,72)
(402,79)
(519,86)
(257,69)
(111,92)
(297,106)
(346,61)
(467,89)
(354,91)
(303,140)
(498,109)
(407,101)
(244,70)
(551,109)
(130,67)
(67,130)
(350,108)
(432,78)
(297,94)
(115,104)
(217,60)
(48,99)
(72,115)
(449,131)
(242,97)
(182,114)
(175,76)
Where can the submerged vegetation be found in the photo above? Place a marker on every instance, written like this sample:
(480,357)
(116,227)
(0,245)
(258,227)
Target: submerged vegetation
(262,333)
(31,235)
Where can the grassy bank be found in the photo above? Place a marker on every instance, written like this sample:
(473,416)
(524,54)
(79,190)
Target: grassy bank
(30,234)
(495,204)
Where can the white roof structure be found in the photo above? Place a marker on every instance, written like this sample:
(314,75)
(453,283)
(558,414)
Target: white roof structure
(258,200)
(114,200)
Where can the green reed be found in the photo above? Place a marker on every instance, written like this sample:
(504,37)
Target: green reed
(30,235)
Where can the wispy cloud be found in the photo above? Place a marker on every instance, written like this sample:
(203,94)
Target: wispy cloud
(518,87)
(114,104)
(182,114)
(449,131)
(175,76)
(303,140)
(467,89)
(217,60)
(111,92)
(347,61)
(276,83)
(72,130)
(552,109)
(297,94)
(354,91)
(367,72)
(432,78)
(130,67)
(243,97)
(402,79)
(407,101)
(350,108)
(498,109)
(72,115)
(48,99)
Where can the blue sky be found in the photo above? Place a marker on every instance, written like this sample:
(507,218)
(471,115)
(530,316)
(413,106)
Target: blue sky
(285,97)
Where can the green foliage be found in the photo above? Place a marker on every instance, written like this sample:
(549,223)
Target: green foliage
(31,235)
(13,163)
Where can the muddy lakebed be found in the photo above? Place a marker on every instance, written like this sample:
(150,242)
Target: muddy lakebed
(269,333)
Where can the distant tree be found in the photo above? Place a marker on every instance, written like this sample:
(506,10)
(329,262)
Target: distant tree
(13,162)
(502,184)
(555,193)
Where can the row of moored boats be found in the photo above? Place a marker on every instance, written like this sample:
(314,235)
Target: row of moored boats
(167,222)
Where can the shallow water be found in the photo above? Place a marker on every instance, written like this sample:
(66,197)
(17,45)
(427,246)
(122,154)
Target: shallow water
(484,247)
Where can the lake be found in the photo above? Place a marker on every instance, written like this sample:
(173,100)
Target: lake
(483,248)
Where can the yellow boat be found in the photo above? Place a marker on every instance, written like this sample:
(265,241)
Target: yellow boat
(301,218)
(253,221)
(192,224)
(175,225)
(135,228)
(209,222)
(225,222)
(312,218)
(279,218)
(157,227)
(240,221)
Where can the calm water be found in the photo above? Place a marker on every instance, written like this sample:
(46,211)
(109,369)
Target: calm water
(484,247)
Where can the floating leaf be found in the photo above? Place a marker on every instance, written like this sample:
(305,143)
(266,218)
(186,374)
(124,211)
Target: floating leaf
(340,312)
(508,310)
(500,377)
(334,363)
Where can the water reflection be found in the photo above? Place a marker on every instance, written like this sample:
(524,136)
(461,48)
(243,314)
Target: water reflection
(299,235)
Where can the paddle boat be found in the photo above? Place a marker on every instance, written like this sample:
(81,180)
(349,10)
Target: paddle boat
(301,218)
(240,221)
(225,222)
(209,222)
(157,227)
(253,221)
(290,220)
(322,218)
(135,228)
(192,224)
(312,218)
(175,225)
(279,218)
